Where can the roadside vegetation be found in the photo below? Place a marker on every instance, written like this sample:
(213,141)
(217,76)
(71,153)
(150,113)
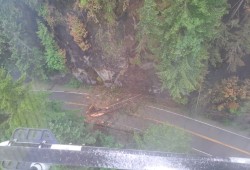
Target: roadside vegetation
(55,57)
(163,138)
(195,51)
(179,35)
(20,107)
(78,32)
(184,39)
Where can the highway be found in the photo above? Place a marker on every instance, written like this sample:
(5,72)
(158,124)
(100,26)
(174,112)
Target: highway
(207,139)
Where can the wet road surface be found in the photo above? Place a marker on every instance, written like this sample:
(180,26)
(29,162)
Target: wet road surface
(207,139)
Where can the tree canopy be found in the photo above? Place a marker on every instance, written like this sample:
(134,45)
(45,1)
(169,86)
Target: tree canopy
(179,36)
(19,47)
(11,92)
(23,107)
(163,138)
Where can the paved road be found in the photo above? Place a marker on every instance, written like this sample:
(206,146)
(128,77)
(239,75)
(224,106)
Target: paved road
(207,139)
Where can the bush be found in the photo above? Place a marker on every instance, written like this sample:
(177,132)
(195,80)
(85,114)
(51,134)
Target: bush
(70,128)
(55,57)
(78,32)
(83,2)
(74,83)
(50,14)
(230,94)
(101,10)
(93,7)
(163,138)
(108,7)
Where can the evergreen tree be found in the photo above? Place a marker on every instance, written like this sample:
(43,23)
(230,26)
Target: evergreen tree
(31,112)
(233,40)
(55,58)
(11,92)
(22,107)
(4,49)
(21,44)
(163,138)
(185,27)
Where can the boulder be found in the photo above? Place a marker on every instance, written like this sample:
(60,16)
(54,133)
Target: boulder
(83,76)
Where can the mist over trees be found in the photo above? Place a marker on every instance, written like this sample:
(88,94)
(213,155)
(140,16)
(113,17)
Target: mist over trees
(195,50)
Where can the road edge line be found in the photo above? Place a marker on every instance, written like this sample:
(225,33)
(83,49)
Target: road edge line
(248,138)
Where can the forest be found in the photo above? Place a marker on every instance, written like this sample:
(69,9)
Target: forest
(192,52)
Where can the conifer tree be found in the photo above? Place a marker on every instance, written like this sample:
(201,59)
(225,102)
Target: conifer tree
(54,57)
(22,107)
(163,138)
(11,92)
(23,54)
(178,35)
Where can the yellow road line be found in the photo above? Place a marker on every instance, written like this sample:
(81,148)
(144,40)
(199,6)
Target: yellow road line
(199,135)
(196,120)
(78,104)
(189,131)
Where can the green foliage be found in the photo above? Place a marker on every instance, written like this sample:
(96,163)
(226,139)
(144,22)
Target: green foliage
(92,7)
(29,61)
(3,117)
(83,2)
(74,83)
(178,35)
(70,128)
(43,10)
(245,108)
(11,92)
(49,13)
(234,41)
(102,140)
(149,24)
(99,10)
(78,32)
(4,132)
(108,7)
(30,113)
(163,138)
(106,141)
(34,110)
(55,59)
(18,49)
(4,49)
(22,106)
(34,4)
(230,94)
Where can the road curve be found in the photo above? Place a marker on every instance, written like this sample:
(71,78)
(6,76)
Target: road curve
(207,139)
